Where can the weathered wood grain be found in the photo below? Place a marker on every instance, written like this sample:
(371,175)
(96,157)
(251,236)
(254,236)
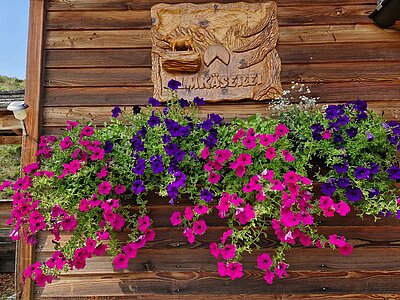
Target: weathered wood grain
(178,283)
(10,140)
(131,19)
(312,53)
(307,73)
(137,38)
(108,96)
(54,5)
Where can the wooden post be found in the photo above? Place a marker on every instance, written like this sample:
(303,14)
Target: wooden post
(33,92)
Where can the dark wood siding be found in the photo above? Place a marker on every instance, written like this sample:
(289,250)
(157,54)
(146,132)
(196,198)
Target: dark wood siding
(97,55)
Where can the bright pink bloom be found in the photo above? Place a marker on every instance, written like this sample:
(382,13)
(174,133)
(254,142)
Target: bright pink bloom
(214,177)
(270,153)
(234,270)
(222,269)
(119,189)
(235,200)
(117,222)
(305,240)
(209,166)
(214,250)
(239,134)
(65,143)
(281,130)
(103,173)
(97,154)
(290,177)
(199,227)
(339,241)
(244,159)
(287,156)
(84,205)
(189,235)
(226,235)
(176,218)
(222,155)
(264,261)
(267,139)
(249,142)
(240,171)
(280,270)
(188,213)
(228,252)
(268,174)
(277,185)
(121,261)
(143,223)
(205,153)
(246,214)
(87,131)
(69,223)
(326,135)
(104,188)
(130,250)
(103,235)
(31,168)
(71,124)
(289,219)
(325,202)
(261,196)
(342,208)
(201,209)
(100,249)
(74,166)
(269,277)
(347,249)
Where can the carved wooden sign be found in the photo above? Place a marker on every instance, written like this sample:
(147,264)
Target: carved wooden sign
(217,51)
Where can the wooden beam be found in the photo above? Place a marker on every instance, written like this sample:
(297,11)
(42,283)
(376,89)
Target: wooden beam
(9,122)
(10,140)
(33,92)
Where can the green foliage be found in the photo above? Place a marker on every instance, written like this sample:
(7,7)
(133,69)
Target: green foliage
(10,157)
(11,83)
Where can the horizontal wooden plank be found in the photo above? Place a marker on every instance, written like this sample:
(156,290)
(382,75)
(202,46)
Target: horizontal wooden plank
(5,213)
(54,5)
(53,116)
(9,122)
(10,140)
(239,296)
(184,283)
(136,38)
(307,73)
(311,53)
(167,238)
(200,260)
(133,19)
(108,96)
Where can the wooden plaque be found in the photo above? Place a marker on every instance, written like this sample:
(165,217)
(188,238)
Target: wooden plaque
(217,51)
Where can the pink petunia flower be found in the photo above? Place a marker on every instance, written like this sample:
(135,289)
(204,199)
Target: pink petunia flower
(267,139)
(69,223)
(287,156)
(281,130)
(239,134)
(222,155)
(261,196)
(199,227)
(342,208)
(121,261)
(84,205)
(269,277)
(226,235)
(336,240)
(228,252)
(234,270)
(222,269)
(214,250)
(31,168)
(347,249)
(205,153)
(244,159)
(264,261)
(201,209)
(143,223)
(176,218)
(270,153)
(188,233)
(326,135)
(104,188)
(100,249)
(188,213)
(71,124)
(130,250)
(214,178)
(120,189)
(87,131)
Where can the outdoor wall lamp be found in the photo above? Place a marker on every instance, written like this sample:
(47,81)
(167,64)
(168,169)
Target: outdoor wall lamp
(19,110)
(387,12)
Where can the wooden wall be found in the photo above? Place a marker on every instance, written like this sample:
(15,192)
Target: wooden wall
(97,55)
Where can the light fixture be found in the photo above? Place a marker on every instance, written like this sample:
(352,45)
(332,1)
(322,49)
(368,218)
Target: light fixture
(387,12)
(19,110)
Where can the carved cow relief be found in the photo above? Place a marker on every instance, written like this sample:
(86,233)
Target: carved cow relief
(217,51)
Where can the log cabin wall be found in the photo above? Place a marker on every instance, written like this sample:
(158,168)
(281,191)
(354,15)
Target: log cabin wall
(97,55)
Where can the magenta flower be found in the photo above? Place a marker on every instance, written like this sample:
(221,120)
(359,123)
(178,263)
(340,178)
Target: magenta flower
(270,153)
(121,261)
(264,261)
(214,250)
(97,154)
(104,188)
(205,153)
(65,143)
(249,142)
(100,249)
(130,250)
(143,223)
(87,131)
(234,270)
(69,223)
(228,252)
(188,213)
(289,219)
(347,249)
(222,155)
(120,189)
(226,235)
(336,240)
(222,269)
(281,130)
(103,173)
(238,135)
(30,168)
(199,227)
(176,218)
(117,222)
(287,156)
(188,233)
(201,209)
(342,208)
(245,214)
(269,277)
(261,196)
(84,205)
(214,178)
(280,270)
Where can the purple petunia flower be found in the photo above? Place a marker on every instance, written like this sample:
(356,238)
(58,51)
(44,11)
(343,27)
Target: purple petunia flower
(342,120)
(174,84)
(361,173)
(180,155)
(352,132)
(166,138)
(140,166)
(215,118)
(359,105)
(136,109)
(385,213)
(154,102)
(157,164)
(362,116)
(316,136)
(172,190)
(153,120)
(165,111)
(116,111)
(341,168)
(373,193)
(398,214)
(138,187)
(374,168)
(199,101)
(108,146)
(171,149)
(317,127)
(183,103)
(394,172)
(207,125)
(370,136)
(142,132)
(353,194)
(137,144)
(343,182)
(210,141)
(206,195)
(328,189)
(393,139)
(333,111)
(337,138)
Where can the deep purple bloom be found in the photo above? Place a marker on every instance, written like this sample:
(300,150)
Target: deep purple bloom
(362,116)
(354,194)
(334,126)
(153,120)
(398,214)
(171,149)
(359,105)
(180,178)
(207,125)
(361,173)
(341,168)
(373,193)
(342,120)
(154,102)
(337,138)
(138,187)
(199,101)
(166,138)
(352,132)
(180,155)
(385,213)
(215,118)
(142,132)
(116,111)
(210,141)
(136,109)
(165,110)
(194,156)
(395,126)
(370,136)
(317,127)
(140,166)
(393,139)
(394,172)
(316,136)
(108,146)
(185,131)
(333,111)
(206,195)
(157,164)
(137,144)
(343,182)
(328,189)
(374,168)
(183,102)
(174,84)
(172,190)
